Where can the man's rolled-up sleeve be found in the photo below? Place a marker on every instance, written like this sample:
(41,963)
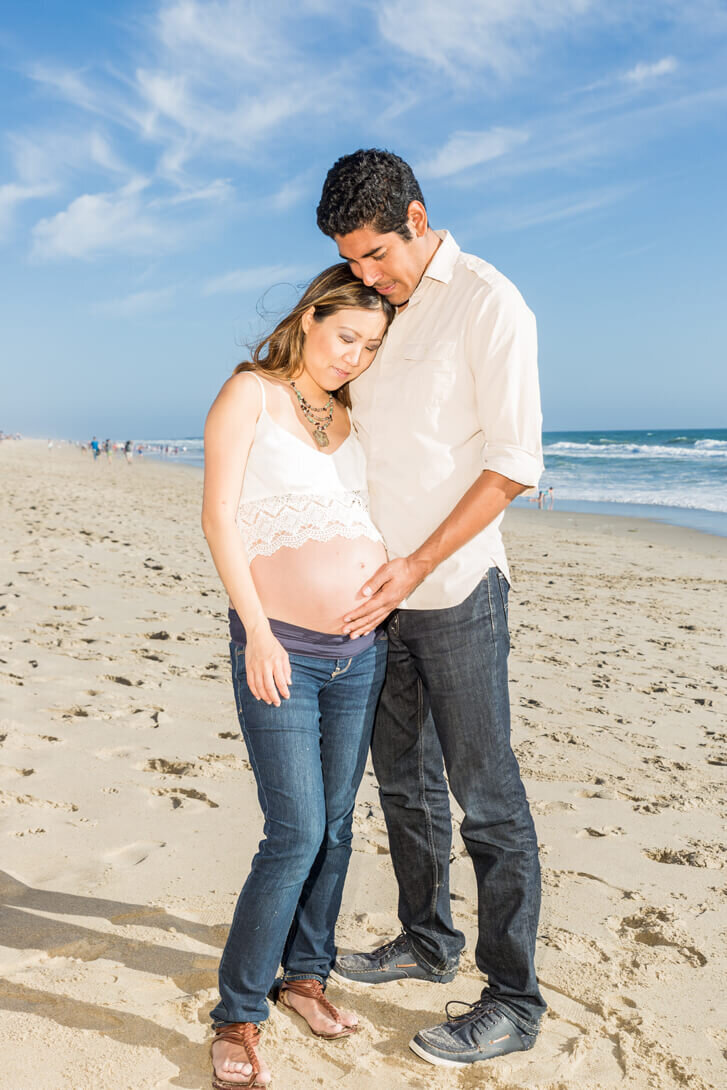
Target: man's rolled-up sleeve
(502,351)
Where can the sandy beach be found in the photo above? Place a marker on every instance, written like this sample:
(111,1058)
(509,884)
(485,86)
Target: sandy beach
(129,811)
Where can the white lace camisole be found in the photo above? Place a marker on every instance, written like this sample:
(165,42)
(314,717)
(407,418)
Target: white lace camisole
(292,493)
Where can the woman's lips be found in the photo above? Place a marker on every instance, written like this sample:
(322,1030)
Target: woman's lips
(342,374)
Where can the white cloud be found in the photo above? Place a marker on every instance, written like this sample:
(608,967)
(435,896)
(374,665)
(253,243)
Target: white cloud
(97,223)
(468,149)
(13,194)
(554,210)
(254,279)
(236,32)
(201,88)
(460,35)
(221,189)
(643,72)
(44,155)
(138,302)
(294,191)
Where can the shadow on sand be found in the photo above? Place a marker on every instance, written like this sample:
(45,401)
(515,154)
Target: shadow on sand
(191,972)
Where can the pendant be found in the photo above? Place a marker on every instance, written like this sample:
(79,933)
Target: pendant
(321,438)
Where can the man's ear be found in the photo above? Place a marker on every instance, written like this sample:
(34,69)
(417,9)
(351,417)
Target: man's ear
(417,219)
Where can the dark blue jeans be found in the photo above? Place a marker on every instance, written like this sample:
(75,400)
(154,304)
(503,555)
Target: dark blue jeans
(308,757)
(445,704)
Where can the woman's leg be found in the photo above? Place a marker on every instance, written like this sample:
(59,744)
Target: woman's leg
(284,748)
(347,705)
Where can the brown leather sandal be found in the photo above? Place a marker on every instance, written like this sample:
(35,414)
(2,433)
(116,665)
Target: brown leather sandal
(313,989)
(246,1034)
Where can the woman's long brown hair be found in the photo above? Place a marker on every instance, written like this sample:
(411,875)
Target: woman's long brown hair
(281,353)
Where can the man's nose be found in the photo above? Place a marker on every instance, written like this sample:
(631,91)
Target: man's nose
(369,274)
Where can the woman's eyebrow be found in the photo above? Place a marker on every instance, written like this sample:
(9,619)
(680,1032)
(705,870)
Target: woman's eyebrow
(350,329)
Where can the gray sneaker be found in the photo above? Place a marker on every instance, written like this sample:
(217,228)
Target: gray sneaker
(394,960)
(482,1032)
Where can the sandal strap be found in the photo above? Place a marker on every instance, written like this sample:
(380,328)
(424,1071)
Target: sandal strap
(246,1034)
(311,989)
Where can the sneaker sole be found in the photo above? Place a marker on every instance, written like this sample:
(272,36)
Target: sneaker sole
(438,1061)
(346,980)
(341,979)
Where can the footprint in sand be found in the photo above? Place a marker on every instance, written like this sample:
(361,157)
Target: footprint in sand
(158,717)
(654,927)
(605,830)
(9,772)
(710,856)
(184,796)
(76,712)
(109,754)
(133,854)
(169,768)
(9,797)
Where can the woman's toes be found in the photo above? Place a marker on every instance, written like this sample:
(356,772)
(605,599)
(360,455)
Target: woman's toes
(238,1068)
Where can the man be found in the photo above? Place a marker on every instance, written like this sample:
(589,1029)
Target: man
(449,414)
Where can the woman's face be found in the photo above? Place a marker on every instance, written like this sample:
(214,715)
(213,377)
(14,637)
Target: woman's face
(341,346)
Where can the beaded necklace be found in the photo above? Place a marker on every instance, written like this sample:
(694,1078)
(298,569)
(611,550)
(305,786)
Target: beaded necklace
(320,417)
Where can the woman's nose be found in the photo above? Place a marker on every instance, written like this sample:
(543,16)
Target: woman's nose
(352,355)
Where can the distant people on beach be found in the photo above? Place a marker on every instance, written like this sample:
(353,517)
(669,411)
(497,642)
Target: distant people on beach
(542,497)
(95,447)
(129,450)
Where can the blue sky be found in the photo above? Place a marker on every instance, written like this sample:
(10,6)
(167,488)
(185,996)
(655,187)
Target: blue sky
(160,164)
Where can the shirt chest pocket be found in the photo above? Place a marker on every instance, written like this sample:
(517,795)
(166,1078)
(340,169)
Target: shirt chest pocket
(430,376)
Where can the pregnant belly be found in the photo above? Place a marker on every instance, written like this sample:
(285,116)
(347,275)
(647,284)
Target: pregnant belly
(315,585)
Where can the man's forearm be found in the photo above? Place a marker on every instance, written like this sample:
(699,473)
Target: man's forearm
(482,502)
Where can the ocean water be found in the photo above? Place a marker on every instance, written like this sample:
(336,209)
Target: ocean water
(675,476)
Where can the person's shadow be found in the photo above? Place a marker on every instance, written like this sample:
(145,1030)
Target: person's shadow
(191,972)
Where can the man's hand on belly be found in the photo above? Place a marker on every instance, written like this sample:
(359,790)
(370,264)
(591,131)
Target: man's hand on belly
(386,588)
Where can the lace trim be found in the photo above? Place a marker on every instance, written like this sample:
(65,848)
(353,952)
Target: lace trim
(292,519)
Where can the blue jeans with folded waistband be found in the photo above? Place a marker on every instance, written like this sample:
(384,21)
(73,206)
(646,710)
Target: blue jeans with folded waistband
(445,705)
(308,757)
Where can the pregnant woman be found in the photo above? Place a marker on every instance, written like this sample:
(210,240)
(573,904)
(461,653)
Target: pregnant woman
(285,514)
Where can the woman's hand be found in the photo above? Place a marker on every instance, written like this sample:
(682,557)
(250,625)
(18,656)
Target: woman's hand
(267,666)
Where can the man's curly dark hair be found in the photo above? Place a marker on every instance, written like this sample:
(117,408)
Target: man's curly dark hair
(371,188)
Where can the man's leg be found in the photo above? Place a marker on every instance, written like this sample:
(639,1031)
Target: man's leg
(461,654)
(407,760)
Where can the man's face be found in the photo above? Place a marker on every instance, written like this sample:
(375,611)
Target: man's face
(387,262)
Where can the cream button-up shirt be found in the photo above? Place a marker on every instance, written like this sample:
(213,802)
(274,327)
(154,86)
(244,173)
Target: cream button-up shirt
(453,391)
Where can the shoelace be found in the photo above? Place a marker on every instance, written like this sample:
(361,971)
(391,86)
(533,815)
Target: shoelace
(392,946)
(485,1008)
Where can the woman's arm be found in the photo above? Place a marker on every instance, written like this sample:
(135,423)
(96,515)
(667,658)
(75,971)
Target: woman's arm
(228,436)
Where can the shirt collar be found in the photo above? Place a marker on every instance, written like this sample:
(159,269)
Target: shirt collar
(441,266)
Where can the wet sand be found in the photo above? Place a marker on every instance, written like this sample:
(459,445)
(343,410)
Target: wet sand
(129,812)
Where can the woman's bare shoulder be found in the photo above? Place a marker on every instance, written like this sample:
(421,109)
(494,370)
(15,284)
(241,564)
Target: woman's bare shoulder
(242,391)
